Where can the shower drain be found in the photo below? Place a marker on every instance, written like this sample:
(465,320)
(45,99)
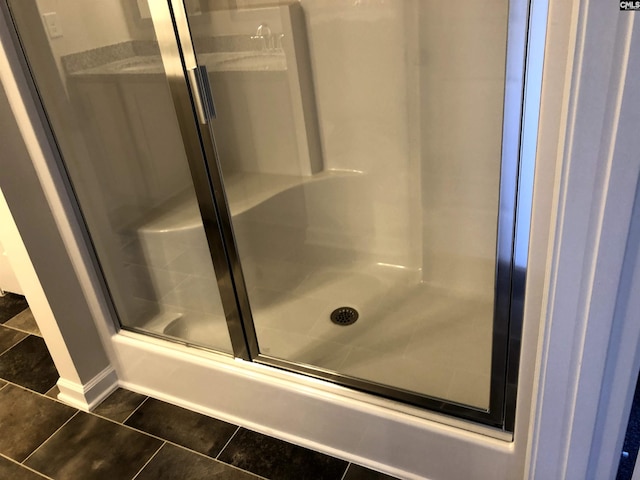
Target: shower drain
(344,316)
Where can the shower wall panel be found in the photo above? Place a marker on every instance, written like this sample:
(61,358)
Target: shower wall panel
(462,65)
(361,56)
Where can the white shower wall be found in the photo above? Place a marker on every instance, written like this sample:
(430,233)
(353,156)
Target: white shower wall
(462,64)
(361,59)
(410,94)
(364,66)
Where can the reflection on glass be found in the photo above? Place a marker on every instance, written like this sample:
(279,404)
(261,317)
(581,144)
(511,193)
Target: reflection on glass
(99,73)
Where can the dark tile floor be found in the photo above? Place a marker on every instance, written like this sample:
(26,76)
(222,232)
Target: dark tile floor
(128,436)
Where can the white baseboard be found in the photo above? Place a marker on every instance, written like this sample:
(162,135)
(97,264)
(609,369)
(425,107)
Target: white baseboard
(87,396)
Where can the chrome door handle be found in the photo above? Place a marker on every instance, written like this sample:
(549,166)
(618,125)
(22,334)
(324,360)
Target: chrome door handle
(201,90)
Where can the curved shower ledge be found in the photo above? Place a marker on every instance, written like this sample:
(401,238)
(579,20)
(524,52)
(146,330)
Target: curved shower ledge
(244,192)
(247,190)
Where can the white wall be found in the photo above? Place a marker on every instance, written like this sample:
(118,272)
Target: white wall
(84,25)
(8,279)
(87,24)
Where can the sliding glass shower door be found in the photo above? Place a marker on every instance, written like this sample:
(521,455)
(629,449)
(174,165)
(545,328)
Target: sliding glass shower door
(369,159)
(327,187)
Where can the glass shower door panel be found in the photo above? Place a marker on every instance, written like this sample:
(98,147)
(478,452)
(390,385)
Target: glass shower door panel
(360,147)
(98,70)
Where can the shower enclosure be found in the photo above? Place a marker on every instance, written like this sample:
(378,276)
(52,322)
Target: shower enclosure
(326,187)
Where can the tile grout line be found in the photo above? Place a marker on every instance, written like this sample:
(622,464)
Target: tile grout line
(20,330)
(10,382)
(14,316)
(345,471)
(226,444)
(14,345)
(183,447)
(46,394)
(14,384)
(25,466)
(230,464)
(149,461)
(130,415)
(165,441)
(143,432)
(49,437)
(256,474)
(122,424)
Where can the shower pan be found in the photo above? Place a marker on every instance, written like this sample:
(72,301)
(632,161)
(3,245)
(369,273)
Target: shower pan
(328,188)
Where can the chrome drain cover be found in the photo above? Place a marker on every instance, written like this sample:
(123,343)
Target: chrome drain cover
(344,316)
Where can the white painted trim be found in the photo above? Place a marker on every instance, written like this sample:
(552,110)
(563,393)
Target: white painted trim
(596,199)
(623,359)
(556,87)
(8,280)
(89,395)
(623,364)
